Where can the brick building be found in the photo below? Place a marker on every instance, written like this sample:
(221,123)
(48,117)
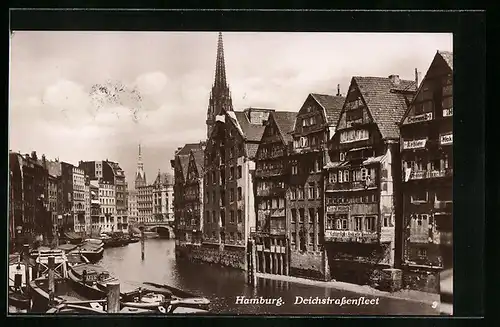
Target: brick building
(427,172)
(314,125)
(362,180)
(271,177)
(163,194)
(193,197)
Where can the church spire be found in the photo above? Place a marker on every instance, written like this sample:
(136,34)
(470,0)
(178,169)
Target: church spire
(220,66)
(140,176)
(220,97)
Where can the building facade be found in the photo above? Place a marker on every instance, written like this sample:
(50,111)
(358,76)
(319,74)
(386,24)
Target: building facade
(145,204)
(314,125)
(133,214)
(121,193)
(163,193)
(108,221)
(78,199)
(362,180)
(271,177)
(427,173)
(140,175)
(192,225)
(180,165)
(95,208)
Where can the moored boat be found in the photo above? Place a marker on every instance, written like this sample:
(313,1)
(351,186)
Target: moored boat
(91,249)
(91,281)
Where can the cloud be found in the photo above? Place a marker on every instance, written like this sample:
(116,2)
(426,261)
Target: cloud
(151,83)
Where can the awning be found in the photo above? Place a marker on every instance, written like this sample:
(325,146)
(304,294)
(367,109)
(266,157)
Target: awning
(359,149)
(373,160)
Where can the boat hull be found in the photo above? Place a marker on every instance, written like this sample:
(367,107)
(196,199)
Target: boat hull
(93,256)
(19,300)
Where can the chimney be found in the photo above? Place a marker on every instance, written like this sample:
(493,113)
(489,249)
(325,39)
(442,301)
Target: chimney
(338,90)
(416,77)
(394,79)
(33,155)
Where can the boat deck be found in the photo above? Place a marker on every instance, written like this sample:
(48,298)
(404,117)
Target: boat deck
(63,290)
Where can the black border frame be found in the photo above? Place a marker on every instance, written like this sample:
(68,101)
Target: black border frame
(469,29)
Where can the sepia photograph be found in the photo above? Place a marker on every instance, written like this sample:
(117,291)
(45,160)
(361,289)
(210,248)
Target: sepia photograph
(230,173)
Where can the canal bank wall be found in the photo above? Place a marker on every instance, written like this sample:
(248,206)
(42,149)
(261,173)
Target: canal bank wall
(410,295)
(224,255)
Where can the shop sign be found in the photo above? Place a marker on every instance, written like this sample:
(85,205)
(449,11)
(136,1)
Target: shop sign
(334,209)
(419,118)
(446,139)
(414,144)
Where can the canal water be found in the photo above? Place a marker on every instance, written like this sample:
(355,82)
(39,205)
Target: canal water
(223,285)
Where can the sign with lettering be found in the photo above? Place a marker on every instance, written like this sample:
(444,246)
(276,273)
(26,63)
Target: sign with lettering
(333,209)
(446,139)
(414,144)
(419,118)
(350,234)
(448,112)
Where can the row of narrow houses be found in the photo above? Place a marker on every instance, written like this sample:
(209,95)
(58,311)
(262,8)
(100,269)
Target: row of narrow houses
(354,187)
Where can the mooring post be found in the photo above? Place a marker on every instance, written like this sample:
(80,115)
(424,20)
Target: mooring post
(26,260)
(142,243)
(254,259)
(52,288)
(113,297)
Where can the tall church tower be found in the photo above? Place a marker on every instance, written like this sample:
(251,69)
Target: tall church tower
(140,175)
(220,97)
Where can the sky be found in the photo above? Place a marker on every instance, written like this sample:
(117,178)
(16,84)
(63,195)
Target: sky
(162,83)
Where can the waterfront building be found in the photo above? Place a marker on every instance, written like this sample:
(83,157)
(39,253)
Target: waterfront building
(133,214)
(145,203)
(163,192)
(88,227)
(180,165)
(427,172)
(29,198)
(53,199)
(95,208)
(120,183)
(362,180)
(314,126)
(78,199)
(272,233)
(193,197)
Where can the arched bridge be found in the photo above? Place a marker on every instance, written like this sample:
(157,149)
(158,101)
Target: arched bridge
(164,229)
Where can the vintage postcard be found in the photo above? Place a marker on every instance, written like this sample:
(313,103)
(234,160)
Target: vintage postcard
(230,173)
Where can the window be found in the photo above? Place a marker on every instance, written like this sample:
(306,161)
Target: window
(330,222)
(281,203)
(232,216)
(354,135)
(301,215)
(240,217)
(292,240)
(317,165)
(293,193)
(341,176)
(214,217)
(358,223)
(311,239)
(370,224)
(240,195)
(310,191)
(213,178)
(231,195)
(295,169)
(239,174)
(311,215)
(346,175)
(294,215)
(387,219)
(332,177)
(300,194)
(419,196)
(422,252)
(231,173)
(341,222)
(274,203)
(318,191)
(304,122)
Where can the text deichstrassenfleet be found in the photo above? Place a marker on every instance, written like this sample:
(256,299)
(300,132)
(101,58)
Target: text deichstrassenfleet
(299,300)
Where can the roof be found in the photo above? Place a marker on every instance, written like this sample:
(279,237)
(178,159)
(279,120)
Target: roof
(332,106)
(184,160)
(164,178)
(385,104)
(285,121)
(199,159)
(251,132)
(188,147)
(448,57)
(251,149)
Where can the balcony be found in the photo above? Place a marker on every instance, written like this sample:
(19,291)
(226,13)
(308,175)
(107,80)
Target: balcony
(429,174)
(306,149)
(274,191)
(349,236)
(351,186)
(95,203)
(269,172)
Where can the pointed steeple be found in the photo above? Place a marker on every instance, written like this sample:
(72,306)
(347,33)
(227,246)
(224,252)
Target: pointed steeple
(220,66)
(220,97)
(140,176)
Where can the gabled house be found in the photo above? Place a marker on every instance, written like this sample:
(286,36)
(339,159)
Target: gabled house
(271,177)
(314,125)
(361,180)
(193,197)
(427,172)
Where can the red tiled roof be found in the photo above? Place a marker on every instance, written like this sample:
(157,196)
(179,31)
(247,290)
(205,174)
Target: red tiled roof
(332,105)
(285,121)
(385,104)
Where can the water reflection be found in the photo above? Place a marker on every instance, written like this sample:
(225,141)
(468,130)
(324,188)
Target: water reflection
(223,285)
